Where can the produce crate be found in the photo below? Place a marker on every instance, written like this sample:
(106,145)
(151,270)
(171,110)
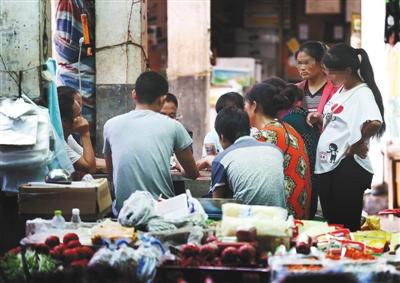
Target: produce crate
(202,274)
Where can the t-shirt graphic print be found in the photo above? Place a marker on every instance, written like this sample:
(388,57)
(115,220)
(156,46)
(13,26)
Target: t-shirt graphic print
(344,115)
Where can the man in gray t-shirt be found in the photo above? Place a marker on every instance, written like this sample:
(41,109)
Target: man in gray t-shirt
(138,145)
(247,170)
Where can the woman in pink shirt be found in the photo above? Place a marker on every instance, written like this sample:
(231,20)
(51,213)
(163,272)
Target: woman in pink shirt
(317,89)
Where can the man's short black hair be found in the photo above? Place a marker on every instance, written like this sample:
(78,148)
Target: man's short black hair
(232,123)
(150,86)
(66,102)
(230,99)
(172,98)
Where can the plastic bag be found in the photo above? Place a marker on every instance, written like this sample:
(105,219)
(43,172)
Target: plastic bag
(124,257)
(151,254)
(14,156)
(137,210)
(102,256)
(145,259)
(17,127)
(195,236)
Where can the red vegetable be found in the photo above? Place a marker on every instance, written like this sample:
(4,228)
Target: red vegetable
(247,254)
(189,250)
(73,244)
(70,255)
(85,252)
(70,237)
(229,255)
(52,241)
(58,251)
(209,251)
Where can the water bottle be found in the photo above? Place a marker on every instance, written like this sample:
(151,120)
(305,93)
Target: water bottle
(75,218)
(58,221)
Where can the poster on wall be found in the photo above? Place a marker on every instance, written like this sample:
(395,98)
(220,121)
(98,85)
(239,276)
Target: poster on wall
(323,7)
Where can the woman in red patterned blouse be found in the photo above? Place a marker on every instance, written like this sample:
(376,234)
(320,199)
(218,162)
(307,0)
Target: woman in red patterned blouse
(262,103)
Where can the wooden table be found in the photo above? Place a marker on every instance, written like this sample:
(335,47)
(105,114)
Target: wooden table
(205,176)
(198,188)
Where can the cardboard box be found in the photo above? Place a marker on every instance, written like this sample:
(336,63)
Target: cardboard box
(40,199)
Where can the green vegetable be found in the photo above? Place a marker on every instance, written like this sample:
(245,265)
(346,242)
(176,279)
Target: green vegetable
(12,265)
(46,264)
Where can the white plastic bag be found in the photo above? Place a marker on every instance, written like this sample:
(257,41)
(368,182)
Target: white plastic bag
(19,128)
(17,132)
(137,210)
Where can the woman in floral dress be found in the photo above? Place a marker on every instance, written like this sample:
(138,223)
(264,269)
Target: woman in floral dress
(262,104)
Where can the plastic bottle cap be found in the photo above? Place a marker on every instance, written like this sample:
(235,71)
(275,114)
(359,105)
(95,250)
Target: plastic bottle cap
(75,211)
(57,212)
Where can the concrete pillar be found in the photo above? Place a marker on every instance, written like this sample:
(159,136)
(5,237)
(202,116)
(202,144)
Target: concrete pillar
(372,40)
(24,45)
(372,37)
(189,63)
(121,54)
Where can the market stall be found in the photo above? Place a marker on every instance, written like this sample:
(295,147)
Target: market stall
(180,240)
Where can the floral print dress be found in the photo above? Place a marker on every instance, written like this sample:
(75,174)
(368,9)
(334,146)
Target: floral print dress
(296,165)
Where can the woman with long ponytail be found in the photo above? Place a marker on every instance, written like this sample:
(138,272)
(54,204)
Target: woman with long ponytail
(367,74)
(350,119)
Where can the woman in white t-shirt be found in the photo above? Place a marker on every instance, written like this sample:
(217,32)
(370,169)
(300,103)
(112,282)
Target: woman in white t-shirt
(350,119)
